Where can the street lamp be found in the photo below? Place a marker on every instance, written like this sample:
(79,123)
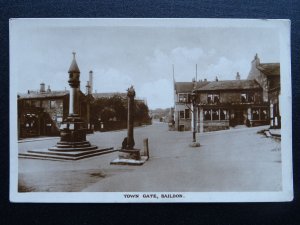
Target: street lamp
(194,111)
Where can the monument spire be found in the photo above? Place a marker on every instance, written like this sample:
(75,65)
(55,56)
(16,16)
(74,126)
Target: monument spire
(74,67)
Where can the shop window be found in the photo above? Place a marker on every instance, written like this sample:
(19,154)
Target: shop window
(255,114)
(223,114)
(215,114)
(207,114)
(264,114)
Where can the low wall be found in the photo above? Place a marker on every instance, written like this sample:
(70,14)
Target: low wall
(214,125)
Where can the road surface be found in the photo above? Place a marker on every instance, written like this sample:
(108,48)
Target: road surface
(233,160)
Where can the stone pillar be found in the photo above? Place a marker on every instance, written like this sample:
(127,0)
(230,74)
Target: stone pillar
(71,102)
(271,115)
(249,114)
(88,115)
(74,83)
(194,122)
(130,123)
(194,108)
(201,120)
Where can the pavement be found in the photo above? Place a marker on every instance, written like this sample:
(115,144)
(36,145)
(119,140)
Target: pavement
(232,160)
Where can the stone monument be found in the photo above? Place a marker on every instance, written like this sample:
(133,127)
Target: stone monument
(128,155)
(73,144)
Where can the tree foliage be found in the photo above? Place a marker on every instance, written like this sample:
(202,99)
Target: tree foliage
(115,108)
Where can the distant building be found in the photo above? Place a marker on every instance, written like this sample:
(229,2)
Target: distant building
(221,104)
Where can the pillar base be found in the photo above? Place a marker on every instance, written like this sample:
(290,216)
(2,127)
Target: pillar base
(130,154)
(130,157)
(194,144)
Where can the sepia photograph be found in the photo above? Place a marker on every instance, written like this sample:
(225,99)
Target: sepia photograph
(150,110)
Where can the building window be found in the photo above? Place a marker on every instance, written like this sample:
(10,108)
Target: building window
(187,113)
(52,104)
(223,114)
(263,114)
(181,114)
(27,103)
(255,114)
(243,97)
(215,114)
(247,97)
(184,114)
(183,98)
(250,97)
(213,98)
(207,114)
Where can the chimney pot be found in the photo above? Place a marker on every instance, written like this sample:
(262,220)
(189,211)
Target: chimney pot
(42,87)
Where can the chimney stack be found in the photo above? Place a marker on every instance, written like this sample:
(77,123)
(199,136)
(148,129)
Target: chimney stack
(48,90)
(42,88)
(88,88)
(91,81)
(256,60)
(217,78)
(238,77)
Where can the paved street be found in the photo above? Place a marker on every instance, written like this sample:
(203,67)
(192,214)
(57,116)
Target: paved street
(233,160)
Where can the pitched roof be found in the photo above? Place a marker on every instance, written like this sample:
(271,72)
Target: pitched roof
(37,94)
(230,85)
(109,95)
(270,69)
(185,87)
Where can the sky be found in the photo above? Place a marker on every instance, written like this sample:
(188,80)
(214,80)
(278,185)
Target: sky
(142,56)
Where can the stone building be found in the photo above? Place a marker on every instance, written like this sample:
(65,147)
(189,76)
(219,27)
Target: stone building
(221,104)
(268,76)
(182,106)
(226,103)
(40,113)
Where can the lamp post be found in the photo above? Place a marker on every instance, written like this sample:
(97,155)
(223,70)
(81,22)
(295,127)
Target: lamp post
(194,111)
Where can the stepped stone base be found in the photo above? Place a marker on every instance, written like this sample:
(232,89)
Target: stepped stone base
(55,153)
(130,157)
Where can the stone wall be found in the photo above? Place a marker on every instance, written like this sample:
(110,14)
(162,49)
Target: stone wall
(256,74)
(214,125)
(185,125)
(232,96)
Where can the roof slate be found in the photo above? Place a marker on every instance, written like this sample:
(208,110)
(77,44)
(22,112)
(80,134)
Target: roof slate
(270,69)
(185,87)
(36,94)
(230,85)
